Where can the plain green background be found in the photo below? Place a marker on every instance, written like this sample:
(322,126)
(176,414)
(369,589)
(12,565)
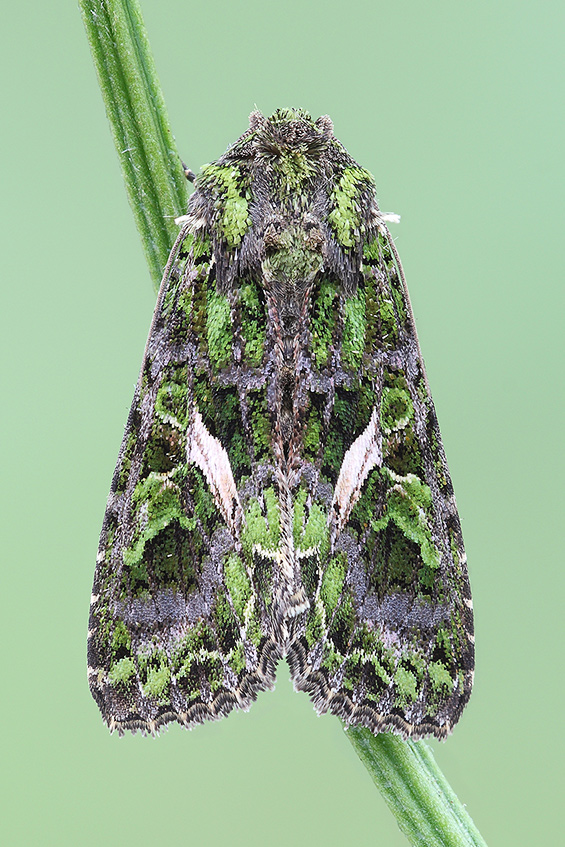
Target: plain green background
(457,109)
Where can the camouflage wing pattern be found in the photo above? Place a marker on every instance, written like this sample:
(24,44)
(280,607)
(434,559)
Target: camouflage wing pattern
(282,488)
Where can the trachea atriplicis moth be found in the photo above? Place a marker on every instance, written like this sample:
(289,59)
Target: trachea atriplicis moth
(282,489)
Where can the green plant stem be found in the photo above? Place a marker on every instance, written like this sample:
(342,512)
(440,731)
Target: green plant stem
(418,794)
(153,174)
(425,806)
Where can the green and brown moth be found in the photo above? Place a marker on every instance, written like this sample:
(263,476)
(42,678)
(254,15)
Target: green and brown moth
(282,489)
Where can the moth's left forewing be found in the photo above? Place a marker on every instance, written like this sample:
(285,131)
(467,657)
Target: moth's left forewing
(175,632)
(388,641)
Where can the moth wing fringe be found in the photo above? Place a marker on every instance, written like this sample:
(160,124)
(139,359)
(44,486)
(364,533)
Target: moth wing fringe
(340,704)
(263,679)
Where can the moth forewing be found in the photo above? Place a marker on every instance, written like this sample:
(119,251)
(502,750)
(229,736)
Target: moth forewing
(282,488)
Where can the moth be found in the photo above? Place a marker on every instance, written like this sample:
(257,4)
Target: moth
(282,488)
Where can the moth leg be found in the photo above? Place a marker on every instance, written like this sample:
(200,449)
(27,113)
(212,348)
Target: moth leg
(189,174)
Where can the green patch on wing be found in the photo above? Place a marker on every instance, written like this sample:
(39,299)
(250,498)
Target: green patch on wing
(376,251)
(196,662)
(441,682)
(312,434)
(238,584)
(372,251)
(122,672)
(171,403)
(381,314)
(165,540)
(225,623)
(401,446)
(198,639)
(367,644)
(253,322)
(396,405)
(232,201)
(337,440)
(345,217)
(121,638)
(171,557)
(406,686)
(310,526)
(408,507)
(353,341)
(391,310)
(322,320)
(263,524)
(201,246)
(333,581)
(154,673)
(364,510)
(253,629)
(218,329)
(242,597)
(403,454)
(157,684)
(156,502)
(363,659)
(237,659)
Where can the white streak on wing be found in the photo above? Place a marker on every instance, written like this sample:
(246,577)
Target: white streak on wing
(207,453)
(362,456)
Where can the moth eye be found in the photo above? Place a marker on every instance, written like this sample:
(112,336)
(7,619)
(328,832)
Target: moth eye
(309,222)
(314,235)
(272,236)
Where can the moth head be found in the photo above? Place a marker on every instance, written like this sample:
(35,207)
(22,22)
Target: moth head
(291,140)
